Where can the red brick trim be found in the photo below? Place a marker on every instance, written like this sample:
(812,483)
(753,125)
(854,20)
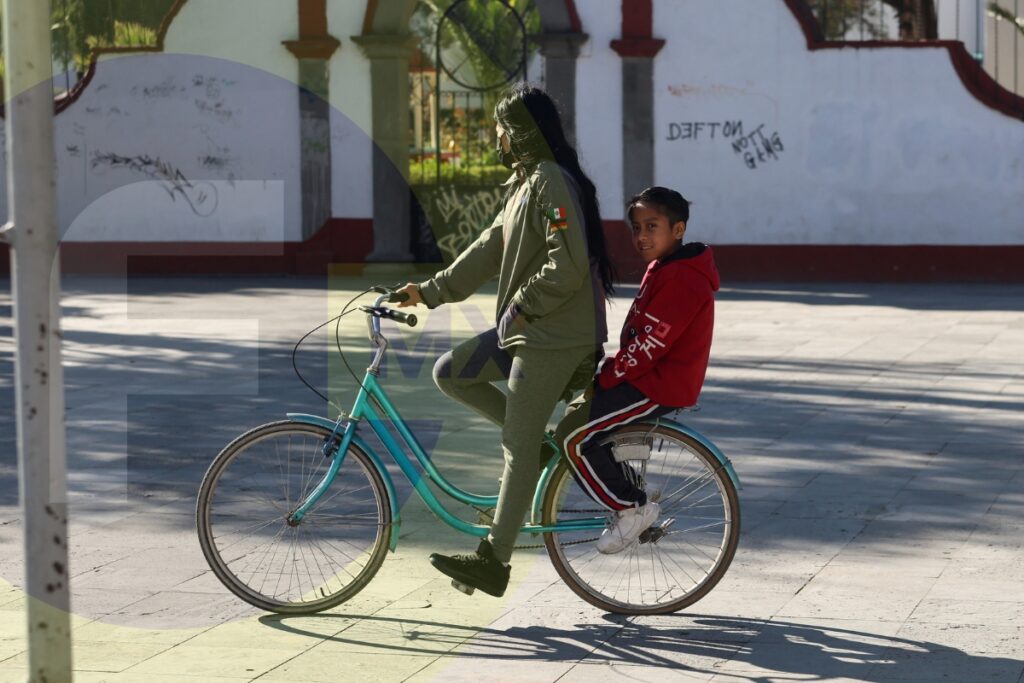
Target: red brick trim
(839,263)
(637,18)
(314,41)
(638,47)
(312,18)
(574,17)
(977,81)
(870,263)
(313,48)
(341,240)
(637,23)
(65,101)
(349,241)
(371,12)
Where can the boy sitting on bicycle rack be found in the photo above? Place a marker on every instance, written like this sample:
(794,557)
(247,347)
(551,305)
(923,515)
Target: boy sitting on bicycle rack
(660,367)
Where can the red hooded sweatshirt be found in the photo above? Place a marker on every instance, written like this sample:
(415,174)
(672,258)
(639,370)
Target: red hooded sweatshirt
(666,340)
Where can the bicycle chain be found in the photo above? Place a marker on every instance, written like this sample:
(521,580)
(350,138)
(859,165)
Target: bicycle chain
(541,545)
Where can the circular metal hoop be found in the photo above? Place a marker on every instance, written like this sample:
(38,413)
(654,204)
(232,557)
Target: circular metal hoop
(449,16)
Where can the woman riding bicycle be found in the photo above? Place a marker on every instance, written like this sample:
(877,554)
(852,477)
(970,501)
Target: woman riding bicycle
(547,248)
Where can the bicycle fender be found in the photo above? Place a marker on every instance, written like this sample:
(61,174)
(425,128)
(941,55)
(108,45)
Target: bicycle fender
(707,443)
(396,519)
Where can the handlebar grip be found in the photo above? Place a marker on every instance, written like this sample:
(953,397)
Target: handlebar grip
(398,297)
(407,318)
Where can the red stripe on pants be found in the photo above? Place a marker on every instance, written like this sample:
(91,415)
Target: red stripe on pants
(572,450)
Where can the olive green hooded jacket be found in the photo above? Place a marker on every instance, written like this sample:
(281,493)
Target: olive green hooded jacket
(537,247)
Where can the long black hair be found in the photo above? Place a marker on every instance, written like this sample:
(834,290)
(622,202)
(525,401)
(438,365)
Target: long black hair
(534,128)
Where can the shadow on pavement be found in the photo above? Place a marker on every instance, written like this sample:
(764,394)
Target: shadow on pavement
(167,439)
(752,649)
(820,459)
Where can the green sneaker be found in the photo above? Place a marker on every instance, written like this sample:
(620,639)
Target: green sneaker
(476,570)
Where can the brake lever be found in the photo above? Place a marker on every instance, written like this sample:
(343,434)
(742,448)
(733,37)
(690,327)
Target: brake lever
(394,297)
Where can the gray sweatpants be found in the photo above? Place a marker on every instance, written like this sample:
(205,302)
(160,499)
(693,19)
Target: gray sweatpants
(537,378)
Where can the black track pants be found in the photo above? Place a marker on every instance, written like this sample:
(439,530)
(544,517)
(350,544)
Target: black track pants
(593,465)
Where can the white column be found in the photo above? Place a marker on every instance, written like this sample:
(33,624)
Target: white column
(39,381)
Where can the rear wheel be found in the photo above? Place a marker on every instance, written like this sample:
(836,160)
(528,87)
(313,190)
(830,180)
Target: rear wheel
(676,561)
(242,515)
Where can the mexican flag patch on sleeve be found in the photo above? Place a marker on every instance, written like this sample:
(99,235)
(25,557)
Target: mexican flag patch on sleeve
(558,217)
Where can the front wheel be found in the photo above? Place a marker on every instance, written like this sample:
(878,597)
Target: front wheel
(675,562)
(242,516)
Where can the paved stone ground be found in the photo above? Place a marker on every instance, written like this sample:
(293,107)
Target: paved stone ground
(878,430)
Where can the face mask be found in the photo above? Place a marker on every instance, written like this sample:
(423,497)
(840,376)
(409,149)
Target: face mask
(507,158)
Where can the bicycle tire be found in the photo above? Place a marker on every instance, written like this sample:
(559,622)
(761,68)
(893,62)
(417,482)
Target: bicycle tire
(599,579)
(236,477)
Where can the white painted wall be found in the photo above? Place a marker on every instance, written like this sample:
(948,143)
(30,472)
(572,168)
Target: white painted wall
(875,146)
(878,146)
(249,32)
(201,142)
(169,148)
(599,103)
(197,143)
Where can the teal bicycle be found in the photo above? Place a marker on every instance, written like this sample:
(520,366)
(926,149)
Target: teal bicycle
(297,516)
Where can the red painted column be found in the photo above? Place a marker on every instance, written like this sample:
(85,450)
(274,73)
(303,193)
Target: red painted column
(637,22)
(637,48)
(314,42)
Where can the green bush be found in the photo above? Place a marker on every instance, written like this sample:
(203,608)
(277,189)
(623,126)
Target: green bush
(79,26)
(423,172)
(126,34)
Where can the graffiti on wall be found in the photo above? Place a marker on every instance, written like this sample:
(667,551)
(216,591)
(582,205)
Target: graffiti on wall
(459,214)
(200,197)
(207,94)
(758,147)
(700,130)
(755,148)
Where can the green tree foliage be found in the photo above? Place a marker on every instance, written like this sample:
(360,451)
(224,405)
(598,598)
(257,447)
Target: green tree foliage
(481,32)
(79,26)
(863,19)
(481,42)
(995,10)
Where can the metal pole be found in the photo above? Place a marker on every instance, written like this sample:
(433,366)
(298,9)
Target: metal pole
(39,380)
(979,30)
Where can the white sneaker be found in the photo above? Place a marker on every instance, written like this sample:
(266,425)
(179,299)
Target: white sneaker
(628,526)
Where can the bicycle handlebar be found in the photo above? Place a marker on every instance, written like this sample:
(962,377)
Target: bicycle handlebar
(377,311)
(393,296)
(390,313)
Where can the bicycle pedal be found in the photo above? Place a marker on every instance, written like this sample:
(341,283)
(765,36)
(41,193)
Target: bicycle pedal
(463,588)
(657,532)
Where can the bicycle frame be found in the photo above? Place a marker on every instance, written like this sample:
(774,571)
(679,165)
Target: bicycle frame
(374,407)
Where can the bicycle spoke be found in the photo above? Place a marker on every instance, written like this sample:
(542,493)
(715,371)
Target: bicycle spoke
(265,501)
(254,527)
(330,561)
(342,552)
(697,528)
(277,537)
(675,561)
(319,562)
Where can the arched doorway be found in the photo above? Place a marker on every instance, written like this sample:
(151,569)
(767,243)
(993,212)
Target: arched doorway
(467,53)
(390,44)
